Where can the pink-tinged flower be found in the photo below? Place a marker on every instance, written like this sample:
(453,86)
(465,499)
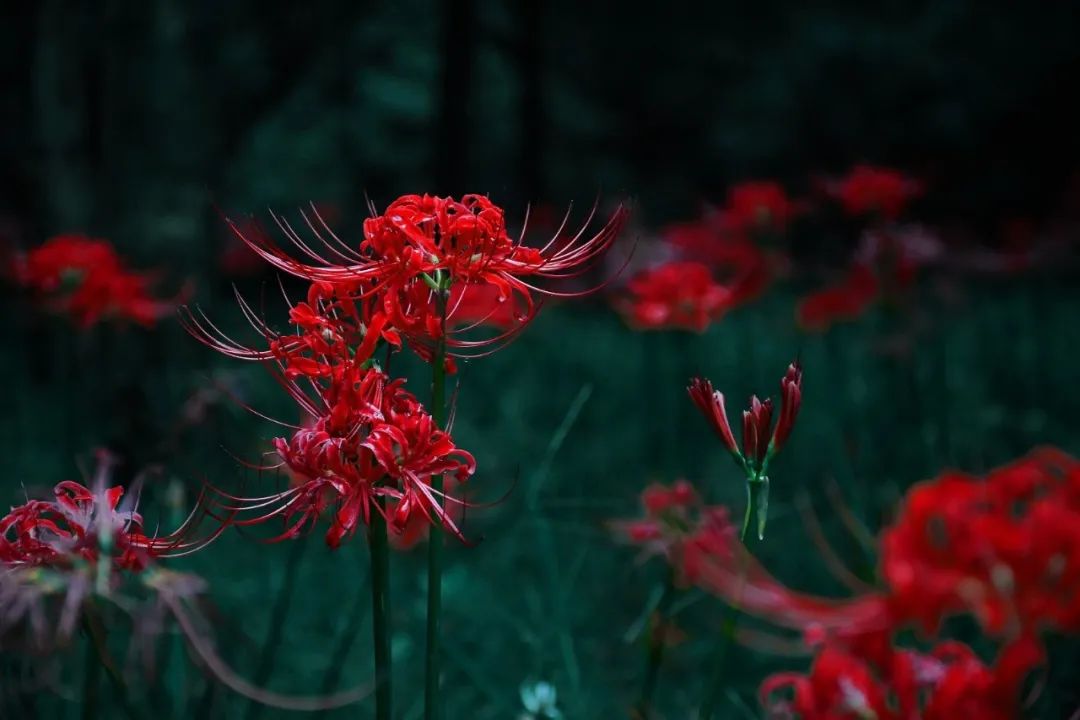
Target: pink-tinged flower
(845,301)
(85,278)
(671,514)
(713,558)
(80,525)
(759,206)
(678,295)
(1004,548)
(869,190)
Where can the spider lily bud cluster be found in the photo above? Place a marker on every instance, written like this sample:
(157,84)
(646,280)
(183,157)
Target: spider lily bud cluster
(761,439)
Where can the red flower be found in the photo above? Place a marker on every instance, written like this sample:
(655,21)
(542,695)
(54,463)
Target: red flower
(1005,548)
(949,682)
(369,439)
(424,235)
(759,206)
(845,301)
(80,525)
(758,444)
(680,295)
(673,516)
(740,265)
(85,278)
(870,190)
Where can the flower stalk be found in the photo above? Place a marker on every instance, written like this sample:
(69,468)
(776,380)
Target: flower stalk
(380,612)
(435,541)
(656,643)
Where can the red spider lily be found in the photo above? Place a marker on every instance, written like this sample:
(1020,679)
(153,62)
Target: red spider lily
(759,206)
(758,444)
(1005,548)
(869,190)
(672,514)
(948,682)
(424,236)
(713,558)
(370,439)
(739,264)
(85,278)
(680,295)
(80,524)
(845,301)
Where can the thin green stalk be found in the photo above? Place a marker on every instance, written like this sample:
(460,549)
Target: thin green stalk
(97,657)
(380,613)
(656,646)
(435,542)
(91,679)
(727,634)
(278,621)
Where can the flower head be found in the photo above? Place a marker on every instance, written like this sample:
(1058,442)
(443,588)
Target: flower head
(757,206)
(85,278)
(680,295)
(869,190)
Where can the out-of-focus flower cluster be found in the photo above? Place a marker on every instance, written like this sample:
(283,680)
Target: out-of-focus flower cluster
(1004,549)
(697,271)
(85,279)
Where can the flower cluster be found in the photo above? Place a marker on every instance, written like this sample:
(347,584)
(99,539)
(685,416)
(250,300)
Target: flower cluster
(1003,549)
(761,440)
(86,279)
(427,273)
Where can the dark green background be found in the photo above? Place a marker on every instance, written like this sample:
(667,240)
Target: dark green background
(142,122)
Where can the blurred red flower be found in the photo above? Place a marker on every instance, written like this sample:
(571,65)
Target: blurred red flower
(759,206)
(870,190)
(845,301)
(677,295)
(86,279)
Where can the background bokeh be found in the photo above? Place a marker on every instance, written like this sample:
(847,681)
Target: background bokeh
(146,122)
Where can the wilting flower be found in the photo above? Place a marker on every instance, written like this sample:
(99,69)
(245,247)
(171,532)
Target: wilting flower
(869,190)
(680,295)
(761,440)
(85,278)
(759,206)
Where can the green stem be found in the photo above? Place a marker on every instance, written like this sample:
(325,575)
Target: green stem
(97,657)
(380,613)
(278,621)
(656,646)
(91,679)
(727,634)
(435,542)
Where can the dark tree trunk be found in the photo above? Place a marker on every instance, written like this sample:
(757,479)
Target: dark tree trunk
(452,139)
